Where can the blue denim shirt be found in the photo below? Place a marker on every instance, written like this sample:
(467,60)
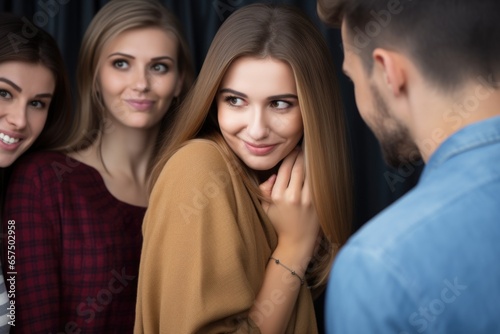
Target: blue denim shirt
(430,263)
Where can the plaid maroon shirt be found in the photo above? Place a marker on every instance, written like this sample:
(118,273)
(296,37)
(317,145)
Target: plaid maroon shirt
(77,249)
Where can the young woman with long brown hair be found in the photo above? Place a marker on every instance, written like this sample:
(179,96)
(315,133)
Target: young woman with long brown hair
(220,253)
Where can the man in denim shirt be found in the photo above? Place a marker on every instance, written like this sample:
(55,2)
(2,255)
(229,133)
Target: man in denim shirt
(427,82)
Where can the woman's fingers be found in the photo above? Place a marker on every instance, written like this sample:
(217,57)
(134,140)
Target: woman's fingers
(284,173)
(297,176)
(291,210)
(267,186)
(266,189)
(306,191)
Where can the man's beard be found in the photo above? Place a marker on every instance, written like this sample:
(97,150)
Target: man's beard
(395,140)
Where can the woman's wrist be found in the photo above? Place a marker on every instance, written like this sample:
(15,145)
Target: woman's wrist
(294,256)
(293,272)
(298,247)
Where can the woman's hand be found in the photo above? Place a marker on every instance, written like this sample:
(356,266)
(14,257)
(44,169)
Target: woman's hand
(289,205)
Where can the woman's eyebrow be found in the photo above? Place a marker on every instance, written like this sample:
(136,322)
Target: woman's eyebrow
(10,83)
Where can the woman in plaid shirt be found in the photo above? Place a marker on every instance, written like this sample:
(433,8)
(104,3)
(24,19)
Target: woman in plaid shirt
(79,210)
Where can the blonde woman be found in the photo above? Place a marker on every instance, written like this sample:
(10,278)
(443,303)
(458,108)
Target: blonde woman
(79,210)
(220,254)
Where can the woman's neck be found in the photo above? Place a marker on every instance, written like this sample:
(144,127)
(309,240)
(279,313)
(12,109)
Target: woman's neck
(122,157)
(127,151)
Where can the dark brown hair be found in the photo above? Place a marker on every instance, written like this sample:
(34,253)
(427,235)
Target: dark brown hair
(21,40)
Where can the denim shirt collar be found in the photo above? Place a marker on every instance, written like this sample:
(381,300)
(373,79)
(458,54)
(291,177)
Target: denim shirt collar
(478,134)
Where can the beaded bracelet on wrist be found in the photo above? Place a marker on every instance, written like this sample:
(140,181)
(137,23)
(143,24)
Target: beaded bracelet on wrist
(278,262)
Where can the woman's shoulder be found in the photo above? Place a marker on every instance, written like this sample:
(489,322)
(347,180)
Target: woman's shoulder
(199,153)
(35,169)
(50,166)
(41,157)
(201,147)
(38,162)
(198,160)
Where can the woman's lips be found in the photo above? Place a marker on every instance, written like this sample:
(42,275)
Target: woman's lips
(9,142)
(140,105)
(259,149)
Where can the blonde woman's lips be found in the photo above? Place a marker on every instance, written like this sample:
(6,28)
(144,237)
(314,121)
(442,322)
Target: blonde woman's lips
(140,105)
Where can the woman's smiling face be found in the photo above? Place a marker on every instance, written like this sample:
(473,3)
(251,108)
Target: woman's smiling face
(26,91)
(258,111)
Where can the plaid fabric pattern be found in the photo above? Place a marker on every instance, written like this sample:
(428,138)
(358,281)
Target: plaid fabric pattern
(77,248)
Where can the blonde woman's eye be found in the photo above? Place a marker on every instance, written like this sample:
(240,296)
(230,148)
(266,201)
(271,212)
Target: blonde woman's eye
(280,104)
(121,64)
(162,68)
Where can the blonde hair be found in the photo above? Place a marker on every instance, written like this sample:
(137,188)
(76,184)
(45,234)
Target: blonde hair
(114,18)
(285,34)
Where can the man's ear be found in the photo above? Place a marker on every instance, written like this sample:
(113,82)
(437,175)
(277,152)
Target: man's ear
(391,66)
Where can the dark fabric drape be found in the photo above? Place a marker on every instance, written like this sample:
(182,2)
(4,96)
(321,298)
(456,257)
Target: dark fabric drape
(376,186)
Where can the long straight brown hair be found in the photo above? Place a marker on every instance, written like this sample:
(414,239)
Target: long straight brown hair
(282,33)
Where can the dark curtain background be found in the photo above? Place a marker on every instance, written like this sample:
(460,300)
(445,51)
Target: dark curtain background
(376,186)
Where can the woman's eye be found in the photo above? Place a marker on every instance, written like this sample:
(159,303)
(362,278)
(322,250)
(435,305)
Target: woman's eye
(38,104)
(234,101)
(121,64)
(280,104)
(5,94)
(160,68)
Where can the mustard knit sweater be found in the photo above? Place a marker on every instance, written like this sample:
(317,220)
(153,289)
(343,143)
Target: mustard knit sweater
(207,242)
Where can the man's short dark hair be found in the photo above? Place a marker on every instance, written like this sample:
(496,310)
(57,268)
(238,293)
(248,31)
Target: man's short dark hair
(451,41)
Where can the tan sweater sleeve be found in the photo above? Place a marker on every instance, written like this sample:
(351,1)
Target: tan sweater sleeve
(192,277)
